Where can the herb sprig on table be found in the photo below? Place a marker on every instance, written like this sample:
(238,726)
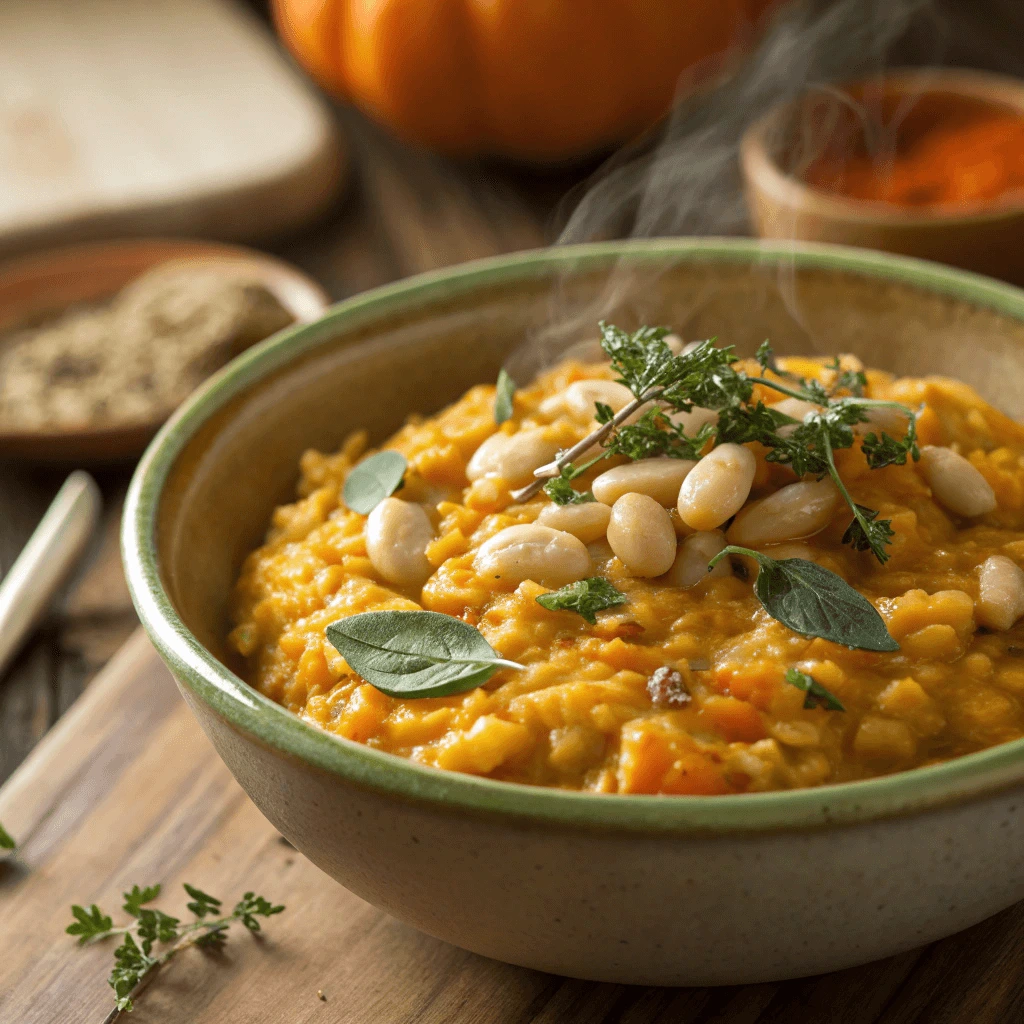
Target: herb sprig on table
(137,959)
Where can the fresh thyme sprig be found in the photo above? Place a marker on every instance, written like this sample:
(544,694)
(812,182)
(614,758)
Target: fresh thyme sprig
(706,377)
(136,963)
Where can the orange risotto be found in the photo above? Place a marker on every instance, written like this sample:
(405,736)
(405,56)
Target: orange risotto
(682,688)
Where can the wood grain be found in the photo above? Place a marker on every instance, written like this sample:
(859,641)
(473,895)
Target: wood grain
(154,117)
(126,789)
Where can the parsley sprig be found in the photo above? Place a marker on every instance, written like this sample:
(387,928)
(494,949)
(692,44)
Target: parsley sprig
(136,959)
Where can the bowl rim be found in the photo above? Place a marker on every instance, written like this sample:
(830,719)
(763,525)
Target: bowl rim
(271,725)
(763,172)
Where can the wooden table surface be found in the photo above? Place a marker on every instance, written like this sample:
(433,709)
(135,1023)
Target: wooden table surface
(127,790)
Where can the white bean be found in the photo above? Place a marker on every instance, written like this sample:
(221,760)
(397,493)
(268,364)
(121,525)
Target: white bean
(579,397)
(795,408)
(796,510)
(512,457)
(641,534)
(552,558)
(716,488)
(397,535)
(693,420)
(658,478)
(956,483)
(1000,593)
(587,521)
(691,562)
(883,418)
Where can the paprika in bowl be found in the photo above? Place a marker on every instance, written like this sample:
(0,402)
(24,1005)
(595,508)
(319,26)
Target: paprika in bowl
(926,162)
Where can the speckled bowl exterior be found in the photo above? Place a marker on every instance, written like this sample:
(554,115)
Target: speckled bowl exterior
(646,890)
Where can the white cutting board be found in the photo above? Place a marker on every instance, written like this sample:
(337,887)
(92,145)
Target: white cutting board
(154,117)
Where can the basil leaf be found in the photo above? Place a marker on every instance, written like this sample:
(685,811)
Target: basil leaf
(373,480)
(416,654)
(813,601)
(586,597)
(506,388)
(817,695)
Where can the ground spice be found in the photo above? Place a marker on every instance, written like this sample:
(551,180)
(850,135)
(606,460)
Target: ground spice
(137,356)
(936,150)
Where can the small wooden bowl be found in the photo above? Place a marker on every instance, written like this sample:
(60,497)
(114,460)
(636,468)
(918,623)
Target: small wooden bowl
(47,282)
(983,238)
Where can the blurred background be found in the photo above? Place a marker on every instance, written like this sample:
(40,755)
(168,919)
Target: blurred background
(182,178)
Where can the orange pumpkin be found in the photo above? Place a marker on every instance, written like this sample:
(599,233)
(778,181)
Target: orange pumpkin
(531,79)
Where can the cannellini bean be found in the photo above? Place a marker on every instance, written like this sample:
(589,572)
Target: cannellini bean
(1000,593)
(883,418)
(797,409)
(716,488)
(552,558)
(955,482)
(587,521)
(641,534)
(693,420)
(658,478)
(397,535)
(797,510)
(512,457)
(579,397)
(691,562)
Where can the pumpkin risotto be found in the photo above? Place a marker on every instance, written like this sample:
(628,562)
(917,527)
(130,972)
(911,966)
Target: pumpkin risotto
(673,679)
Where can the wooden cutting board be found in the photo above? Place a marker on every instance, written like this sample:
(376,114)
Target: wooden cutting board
(154,117)
(126,789)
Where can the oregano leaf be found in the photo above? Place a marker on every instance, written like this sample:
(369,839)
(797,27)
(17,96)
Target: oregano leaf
(585,597)
(416,653)
(373,480)
(813,601)
(505,390)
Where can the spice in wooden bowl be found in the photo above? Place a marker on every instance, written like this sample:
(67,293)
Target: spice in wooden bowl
(939,150)
(135,357)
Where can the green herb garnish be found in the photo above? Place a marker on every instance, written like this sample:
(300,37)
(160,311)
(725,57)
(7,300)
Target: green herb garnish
(560,490)
(586,597)
(506,389)
(135,961)
(653,435)
(6,840)
(816,694)
(416,654)
(813,601)
(373,480)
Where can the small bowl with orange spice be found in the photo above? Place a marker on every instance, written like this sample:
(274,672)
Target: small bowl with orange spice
(926,162)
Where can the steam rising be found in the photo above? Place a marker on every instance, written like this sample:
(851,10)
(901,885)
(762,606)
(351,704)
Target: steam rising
(685,179)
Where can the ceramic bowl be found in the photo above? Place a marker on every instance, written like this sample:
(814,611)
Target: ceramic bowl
(642,889)
(984,239)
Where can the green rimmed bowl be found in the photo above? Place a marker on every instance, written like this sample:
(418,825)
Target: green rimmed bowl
(648,890)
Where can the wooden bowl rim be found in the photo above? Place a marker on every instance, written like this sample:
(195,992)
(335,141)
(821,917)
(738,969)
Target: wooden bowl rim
(763,173)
